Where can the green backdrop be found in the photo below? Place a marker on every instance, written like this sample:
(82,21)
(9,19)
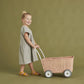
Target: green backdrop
(57,26)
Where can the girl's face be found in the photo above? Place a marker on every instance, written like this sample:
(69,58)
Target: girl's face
(27,20)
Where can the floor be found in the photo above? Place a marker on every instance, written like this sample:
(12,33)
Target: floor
(12,77)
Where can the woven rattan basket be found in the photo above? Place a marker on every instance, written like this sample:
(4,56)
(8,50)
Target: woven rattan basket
(56,64)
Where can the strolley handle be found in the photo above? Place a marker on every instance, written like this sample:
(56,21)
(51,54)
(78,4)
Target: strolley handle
(41,53)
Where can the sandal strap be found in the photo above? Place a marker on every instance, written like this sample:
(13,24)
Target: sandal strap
(23,73)
(35,73)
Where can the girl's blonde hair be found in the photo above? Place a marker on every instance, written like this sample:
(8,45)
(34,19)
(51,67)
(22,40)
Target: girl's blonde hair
(24,13)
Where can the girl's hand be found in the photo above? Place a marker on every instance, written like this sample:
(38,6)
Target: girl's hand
(36,46)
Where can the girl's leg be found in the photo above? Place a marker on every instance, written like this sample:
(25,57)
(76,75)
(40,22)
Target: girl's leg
(22,71)
(31,66)
(22,68)
(32,69)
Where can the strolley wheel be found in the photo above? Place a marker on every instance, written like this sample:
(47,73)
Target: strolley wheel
(48,74)
(67,73)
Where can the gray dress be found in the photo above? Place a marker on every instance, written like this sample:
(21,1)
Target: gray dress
(27,54)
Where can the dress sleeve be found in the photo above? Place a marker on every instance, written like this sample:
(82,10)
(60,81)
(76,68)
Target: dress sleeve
(25,29)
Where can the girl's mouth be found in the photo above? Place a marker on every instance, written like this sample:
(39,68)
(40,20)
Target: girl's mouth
(28,23)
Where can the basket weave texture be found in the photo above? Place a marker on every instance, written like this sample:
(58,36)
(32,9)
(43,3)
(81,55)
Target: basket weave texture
(57,64)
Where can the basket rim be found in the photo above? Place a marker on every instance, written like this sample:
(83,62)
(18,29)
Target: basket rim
(63,57)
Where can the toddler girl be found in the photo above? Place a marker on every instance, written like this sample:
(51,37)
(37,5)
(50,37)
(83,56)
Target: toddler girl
(27,53)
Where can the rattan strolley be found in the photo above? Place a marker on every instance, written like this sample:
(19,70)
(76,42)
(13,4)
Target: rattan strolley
(56,64)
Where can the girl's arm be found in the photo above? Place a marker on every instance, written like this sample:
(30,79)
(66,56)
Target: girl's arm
(28,39)
(35,42)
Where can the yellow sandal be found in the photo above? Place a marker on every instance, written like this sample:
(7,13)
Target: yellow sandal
(23,74)
(35,73)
